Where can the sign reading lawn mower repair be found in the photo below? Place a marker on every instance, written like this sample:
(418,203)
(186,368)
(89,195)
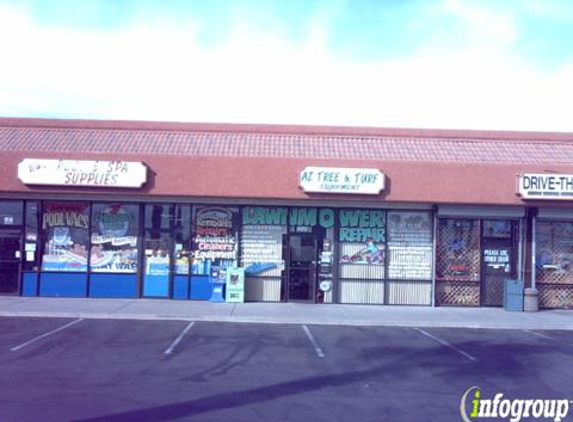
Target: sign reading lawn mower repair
(546,186)
(342,180)
(113,174)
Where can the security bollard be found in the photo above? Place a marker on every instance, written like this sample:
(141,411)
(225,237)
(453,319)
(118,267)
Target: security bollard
(531,300)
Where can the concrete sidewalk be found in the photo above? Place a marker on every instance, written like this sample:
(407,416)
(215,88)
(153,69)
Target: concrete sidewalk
(284,313)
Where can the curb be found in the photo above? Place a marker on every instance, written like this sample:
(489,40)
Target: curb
(298,321)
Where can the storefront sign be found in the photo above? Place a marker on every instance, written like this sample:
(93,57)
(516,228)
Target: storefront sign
(116,174)
(546,186)
(342,180)
(497,259)
(362,225)
(216,238)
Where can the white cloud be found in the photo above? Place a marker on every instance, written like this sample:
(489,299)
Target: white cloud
(163,72)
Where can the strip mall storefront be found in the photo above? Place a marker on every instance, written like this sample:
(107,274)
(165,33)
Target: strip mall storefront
(67,231)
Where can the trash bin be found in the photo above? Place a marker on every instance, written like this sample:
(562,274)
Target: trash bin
(513,295)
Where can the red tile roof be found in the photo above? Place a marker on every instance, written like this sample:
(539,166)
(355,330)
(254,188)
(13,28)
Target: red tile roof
(156,138)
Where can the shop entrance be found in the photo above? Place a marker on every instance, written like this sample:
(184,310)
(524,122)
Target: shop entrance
(157,264)
(498,259)
(9,261)
(302,267)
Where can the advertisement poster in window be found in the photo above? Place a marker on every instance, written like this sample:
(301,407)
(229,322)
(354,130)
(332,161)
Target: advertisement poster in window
(410,245)
(66,228)
(114,238)
(362,236)
(261,240)
(215,240)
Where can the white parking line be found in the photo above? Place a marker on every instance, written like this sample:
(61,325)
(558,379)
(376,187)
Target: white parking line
(179,338)
(317,348)
(49,333)
(445,343)
(545,336)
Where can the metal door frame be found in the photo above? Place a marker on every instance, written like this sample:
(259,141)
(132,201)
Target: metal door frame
(311,283)
(15,232)
(514,245)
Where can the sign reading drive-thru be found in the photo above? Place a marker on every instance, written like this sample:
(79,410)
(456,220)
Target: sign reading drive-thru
(546,186)
(113,174)
(342,180)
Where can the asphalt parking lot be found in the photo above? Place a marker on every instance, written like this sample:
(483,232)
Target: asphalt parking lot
(55,369)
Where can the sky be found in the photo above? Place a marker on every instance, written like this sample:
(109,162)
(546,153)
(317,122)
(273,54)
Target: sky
(450,64)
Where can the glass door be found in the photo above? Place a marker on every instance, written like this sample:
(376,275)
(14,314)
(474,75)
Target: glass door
(156,264)
(302,267)
(10,250)
(157,250)
(498,259)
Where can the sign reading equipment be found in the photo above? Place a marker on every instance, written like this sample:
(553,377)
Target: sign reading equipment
(342,180)
(546,186)
(113,174)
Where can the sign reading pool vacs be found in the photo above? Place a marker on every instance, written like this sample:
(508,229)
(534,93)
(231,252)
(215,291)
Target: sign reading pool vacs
(546,186)
(342,180)
(474,407)
(113,174)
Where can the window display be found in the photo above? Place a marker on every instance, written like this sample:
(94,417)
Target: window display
(410,245)
(362,238)
(262,241)
(458,254)
(554,258)
(182,238)
(66,235)
(114,240)
(215,239)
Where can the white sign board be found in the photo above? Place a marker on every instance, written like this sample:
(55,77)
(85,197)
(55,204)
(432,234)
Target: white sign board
(342,180)
(113,174)
(546,186)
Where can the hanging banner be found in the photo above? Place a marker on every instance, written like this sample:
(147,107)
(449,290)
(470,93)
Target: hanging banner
(111,174)
(342,180)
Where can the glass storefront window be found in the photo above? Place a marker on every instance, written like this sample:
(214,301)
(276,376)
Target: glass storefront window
(114,241)
(362,240)
(554,252)
(214,238)
(182,238)
(410,245)
(458,252)
(262,241)
(11,213)
(158,217)
(66,236)
(31,250)
(500,229)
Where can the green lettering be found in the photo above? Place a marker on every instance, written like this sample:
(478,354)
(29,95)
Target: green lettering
(326,218)
(349,218)
(303,216)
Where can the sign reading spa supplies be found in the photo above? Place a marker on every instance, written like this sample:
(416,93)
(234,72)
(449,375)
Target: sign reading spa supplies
(546,186)
(342,180)
(114,174)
